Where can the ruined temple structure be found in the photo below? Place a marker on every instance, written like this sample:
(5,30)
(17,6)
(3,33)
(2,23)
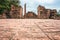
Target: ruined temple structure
(4,15)
(44,13)
(30,15)
(17,13)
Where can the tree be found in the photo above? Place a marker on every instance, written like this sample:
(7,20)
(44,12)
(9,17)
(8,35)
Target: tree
(15,2)
(6,4)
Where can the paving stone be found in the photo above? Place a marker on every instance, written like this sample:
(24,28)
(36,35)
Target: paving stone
(29,29)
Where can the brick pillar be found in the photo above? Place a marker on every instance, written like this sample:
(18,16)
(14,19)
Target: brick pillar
(38,12)
(21,12)
(4,16)
(48,13)
(1,17)
(55,12)
(25,10)
(12,11)
(12,7)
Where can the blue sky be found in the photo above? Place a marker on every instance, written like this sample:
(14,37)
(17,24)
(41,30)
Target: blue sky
(33,4)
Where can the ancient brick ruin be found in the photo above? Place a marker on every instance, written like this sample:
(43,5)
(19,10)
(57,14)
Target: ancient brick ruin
(30,15)
(44,13)
(17,13)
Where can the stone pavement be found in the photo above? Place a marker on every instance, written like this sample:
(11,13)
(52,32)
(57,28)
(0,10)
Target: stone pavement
(29,29)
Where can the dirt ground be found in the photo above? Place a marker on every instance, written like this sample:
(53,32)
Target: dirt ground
(29,29)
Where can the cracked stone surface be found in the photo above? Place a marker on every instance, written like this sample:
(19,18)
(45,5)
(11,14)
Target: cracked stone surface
(29,29)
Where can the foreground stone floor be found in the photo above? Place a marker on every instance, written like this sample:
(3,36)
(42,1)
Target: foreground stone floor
(29,29)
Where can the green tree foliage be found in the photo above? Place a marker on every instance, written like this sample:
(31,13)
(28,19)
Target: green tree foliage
(15,2)
(58,15)
(6,4)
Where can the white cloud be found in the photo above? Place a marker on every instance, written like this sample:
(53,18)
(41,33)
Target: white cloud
(45,1)
(40,1)
(32,4)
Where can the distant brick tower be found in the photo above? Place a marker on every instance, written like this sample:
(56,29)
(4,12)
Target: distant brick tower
(12,11)
(38,11)
(20,12)
(41,12)
(53,14)
(25,10)
(48,13)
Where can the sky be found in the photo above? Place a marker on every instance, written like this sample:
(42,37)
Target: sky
(31,5)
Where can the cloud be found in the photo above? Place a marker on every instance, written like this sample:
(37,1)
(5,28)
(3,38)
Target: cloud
(45,1)
(33,4)
(39,1)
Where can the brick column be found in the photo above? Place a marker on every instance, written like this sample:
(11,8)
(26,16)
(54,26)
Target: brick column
(25,10)
(38,12)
